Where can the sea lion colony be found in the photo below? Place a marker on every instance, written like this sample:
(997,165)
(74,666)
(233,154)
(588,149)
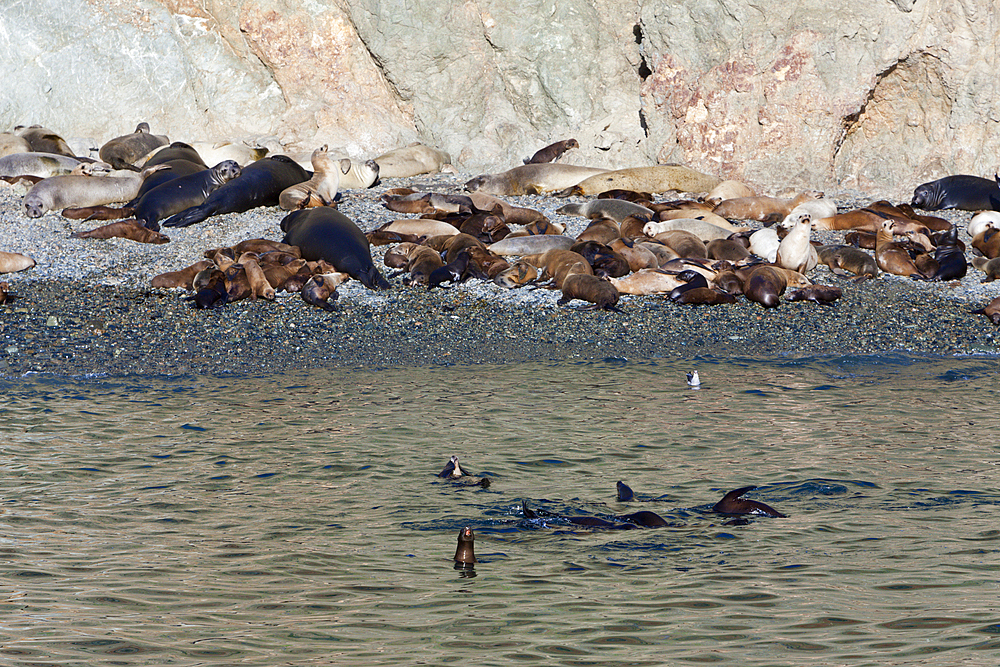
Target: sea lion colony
(643,237)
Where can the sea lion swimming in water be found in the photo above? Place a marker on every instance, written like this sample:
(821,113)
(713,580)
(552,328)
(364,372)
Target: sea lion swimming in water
(642,519)
(453,471)
(624,492)
(465,554)
(731,503)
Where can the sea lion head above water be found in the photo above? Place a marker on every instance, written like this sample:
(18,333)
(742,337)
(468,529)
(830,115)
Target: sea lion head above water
(465,553)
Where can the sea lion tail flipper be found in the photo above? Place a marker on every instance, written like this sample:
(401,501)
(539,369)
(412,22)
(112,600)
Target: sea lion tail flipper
(736,493)
(624,492)
(528,514)
(187,217)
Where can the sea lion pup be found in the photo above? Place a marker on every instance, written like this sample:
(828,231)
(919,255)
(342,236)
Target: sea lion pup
(823,295)
(126,229)
(950,257)
(557,265)
(968,193)
(44,140)
(646,281)
(540,228)
(762,209)
(598,291)
(729,190)
(125,151)
(259,184)
(321,189)
(795,251)
(261,246)
(603,260)
(552,152)
(60,192)
(5,293)
(623,493)
(421,262)
(728,249)
(454,471)
(847,260)
(411,160)
(531,179)
(616,209)
(705,231)
(891,257)
(465,555)
(991,267)
(321,289)
(12,262)
(983,220)
(990,310)
(486,227)
(326,233)
(659,178)
(259,285)
(987,242)
(518,274)
(684,243)
(512,215)
(210,289)
(732,503)
(41,165)
(601,229)
(181,277)
(637,256)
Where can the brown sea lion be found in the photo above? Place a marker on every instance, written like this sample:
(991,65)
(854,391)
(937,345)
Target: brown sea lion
(127,229)
(988,242)
(182,277)
(684,243)
(891,257)
(637,256)
(846,260)
(597,291)
(601,229)
(558,264)
(764,284)
(991,267)
(552,152)
(704,296)
(421,262)
(659,178)
(991,310)
(465,554)
(732,503)
(763,209)
(124,152)
(259,285)
(321,288)
(616,209)
(728,249)
(516,275)
(824,295)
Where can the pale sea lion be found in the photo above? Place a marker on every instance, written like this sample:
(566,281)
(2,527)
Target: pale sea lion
(531,179)
(59,192)
(321,189)
(646,281)
(729,190)
(706,231)
(660,178)
(12,262)
(419,227)
(983,220)
(764,243)
(763,209)
(10,143)
(530,245)
(411,160)
(552,152)
(220,151)
(795,251)
(354,174)
(126,151)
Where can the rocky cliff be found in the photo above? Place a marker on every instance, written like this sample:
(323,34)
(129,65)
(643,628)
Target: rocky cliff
(876,95)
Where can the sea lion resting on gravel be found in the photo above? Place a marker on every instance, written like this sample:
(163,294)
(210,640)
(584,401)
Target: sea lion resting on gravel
(531,179)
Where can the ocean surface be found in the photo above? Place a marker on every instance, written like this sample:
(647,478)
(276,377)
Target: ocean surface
(297,519)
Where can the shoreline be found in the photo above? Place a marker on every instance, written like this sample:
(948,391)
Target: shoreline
(87,308)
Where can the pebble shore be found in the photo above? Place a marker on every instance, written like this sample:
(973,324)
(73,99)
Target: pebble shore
(87,308)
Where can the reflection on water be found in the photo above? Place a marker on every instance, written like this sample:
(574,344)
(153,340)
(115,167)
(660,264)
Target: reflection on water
(297,519)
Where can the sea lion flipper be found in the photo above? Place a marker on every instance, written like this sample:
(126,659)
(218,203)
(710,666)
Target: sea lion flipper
(736,493)
(528,514)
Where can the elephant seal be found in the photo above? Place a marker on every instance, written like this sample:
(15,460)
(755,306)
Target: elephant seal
(530,245)
(616,209)
(259,184)
(552,152)
(624,494)
(968,193)
(531,179)
(326,233)
(465,554)
(60,192)
(44,140)
(42,165)
(411,160)
(12,262)
(598,291)
(321,189)
(126,151)
(182,193)
(660,178)
(732,503)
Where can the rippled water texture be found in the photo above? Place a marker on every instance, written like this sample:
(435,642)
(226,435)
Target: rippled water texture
(297,519)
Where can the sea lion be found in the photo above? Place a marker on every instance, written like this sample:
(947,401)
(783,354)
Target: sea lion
(732,503)
(126,151)
(12,262)
(891,257)
(453,471)
(182,193)
(558,265)
(210,289)
(983,220)
(530,245)
(684,243)
(181,277)
(991,267)
(319,291)
(531,179)
(601,229)
(623,492)
(419,227)
(44,140)
(950,257)
(823,295)
(646,281)
(642,519)
(259,184)
(42,165)
(421,262)
(764,284)
(177,150)
(795,251)
(411,160)
(125,229)
(991,310)
(706,231)
(616,209)
(728,249)
(729,190)
(326,233)
(517,274)
(10,143)
(690,279)
(358,175)
(585,287)
(762,209)
(704,296)
(968,193)
(659,178)
(321,189)
(60,192)
(637,256)
(552,152)
(987,242)
(465,556)
(255,276)
(844,260)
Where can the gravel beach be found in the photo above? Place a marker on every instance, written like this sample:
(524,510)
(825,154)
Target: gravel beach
(87,308)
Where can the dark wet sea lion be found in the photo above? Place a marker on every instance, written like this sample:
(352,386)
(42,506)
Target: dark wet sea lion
(326,233)
(454,471)
(646,519)
(210,286)
(552,151)
(182,193)
(731,503)
(968,193)
(624,493)
(950,257)
(705,296)
(259,184)
(692,279)
(465,554)
(765,284)
(318,292)
(589,521)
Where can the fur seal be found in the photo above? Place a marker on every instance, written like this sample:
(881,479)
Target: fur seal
(660,178)
(411,160)
(126,151)
(968,193)
(465,554)
(586,287)
(60,192)
(552,152)
(321,189)
(12,262)
(732,503)
(259,184)
(182,193)
(42,165)
(531,179)
(326,233)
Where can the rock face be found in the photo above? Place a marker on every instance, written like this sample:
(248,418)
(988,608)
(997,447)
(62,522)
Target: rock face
(871,95)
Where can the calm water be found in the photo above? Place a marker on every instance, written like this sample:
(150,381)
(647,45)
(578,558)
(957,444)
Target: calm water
(297,519)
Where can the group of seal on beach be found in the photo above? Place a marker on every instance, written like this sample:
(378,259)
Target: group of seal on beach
(698,250)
